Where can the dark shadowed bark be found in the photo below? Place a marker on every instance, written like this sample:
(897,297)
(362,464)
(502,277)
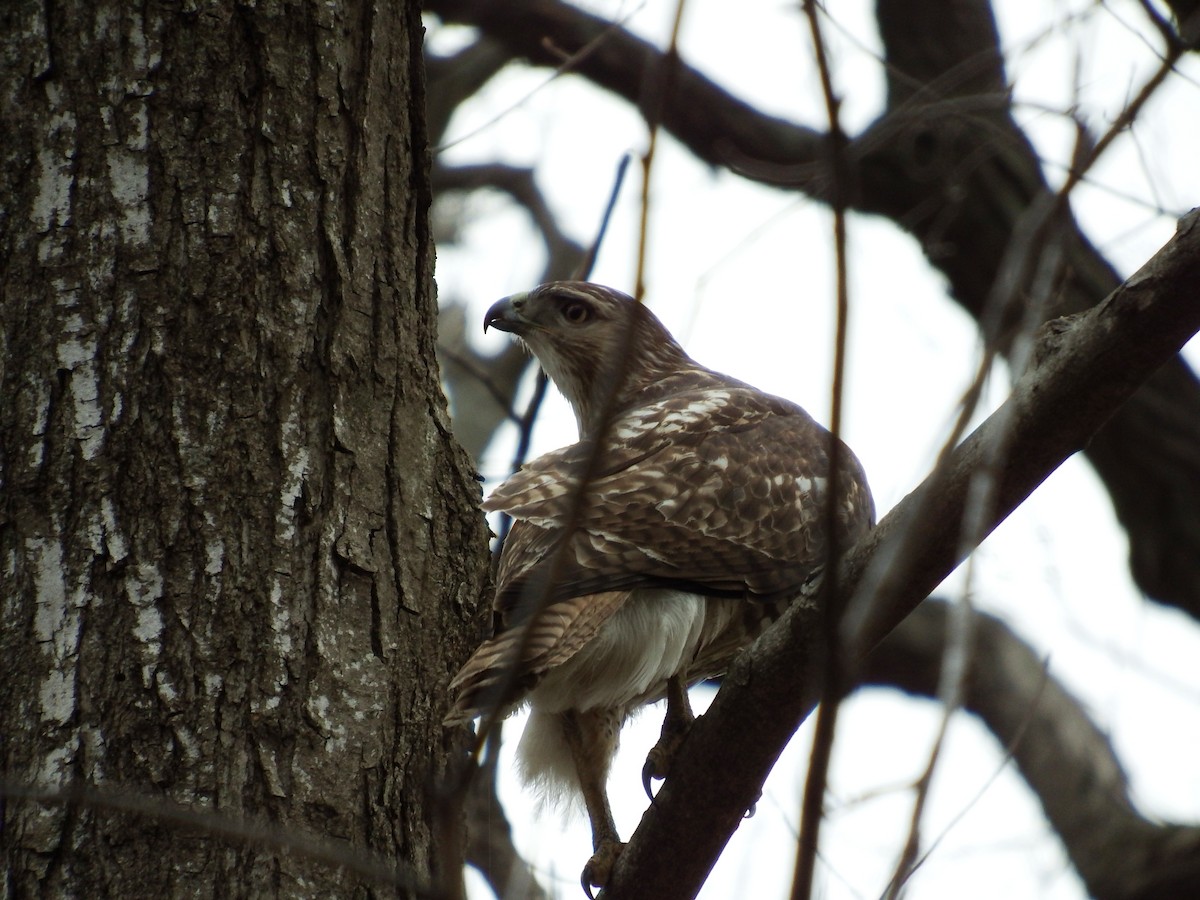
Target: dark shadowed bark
(241,551)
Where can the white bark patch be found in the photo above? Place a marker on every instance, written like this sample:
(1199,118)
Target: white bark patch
(129,184)
(77,353)
(95,753)
(114,542)
(55,628)
(213,684)
(333,732)
(281,620)
(214,556)
(293,481)
(52,202)
(144,588)
(56,765)
(41,391)
(187,742)
(165,689)
(222,214)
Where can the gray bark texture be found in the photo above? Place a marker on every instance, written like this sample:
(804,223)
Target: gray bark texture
(240,552)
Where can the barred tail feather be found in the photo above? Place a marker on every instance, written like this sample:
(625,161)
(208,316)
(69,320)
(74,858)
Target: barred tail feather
(486,680)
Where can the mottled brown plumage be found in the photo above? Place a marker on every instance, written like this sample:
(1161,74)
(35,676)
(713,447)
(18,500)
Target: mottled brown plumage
(644,557)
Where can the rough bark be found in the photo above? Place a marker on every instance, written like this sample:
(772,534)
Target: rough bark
(946,162)
(240,547)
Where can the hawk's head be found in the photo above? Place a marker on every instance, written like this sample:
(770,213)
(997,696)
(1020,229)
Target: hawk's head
(595,343)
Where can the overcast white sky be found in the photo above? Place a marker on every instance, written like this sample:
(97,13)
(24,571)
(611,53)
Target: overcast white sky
(742,275)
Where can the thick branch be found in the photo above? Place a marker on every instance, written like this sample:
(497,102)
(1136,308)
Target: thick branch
(486,385)
(1065,759)
(452,79)
(1085,369)
(563,253)
(490,848)
(714,124)
(947,163)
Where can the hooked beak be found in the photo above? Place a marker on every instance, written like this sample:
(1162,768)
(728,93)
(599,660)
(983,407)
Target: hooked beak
(505,315)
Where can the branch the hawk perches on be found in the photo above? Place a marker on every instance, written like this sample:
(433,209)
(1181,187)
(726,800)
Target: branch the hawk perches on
(643,558)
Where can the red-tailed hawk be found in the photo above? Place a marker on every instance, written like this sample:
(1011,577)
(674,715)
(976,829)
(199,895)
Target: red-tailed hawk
(643,558)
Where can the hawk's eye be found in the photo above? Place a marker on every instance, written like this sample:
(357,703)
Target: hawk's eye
(576,312)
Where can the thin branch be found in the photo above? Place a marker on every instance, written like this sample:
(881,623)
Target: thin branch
(563,252)
(1068,762)
(455,78)
(929,635)
(707,119)
(474,368)
(538,598)
(534,407)
(490,848)
(565,62)
(239,829)
(812,810)
(659,90)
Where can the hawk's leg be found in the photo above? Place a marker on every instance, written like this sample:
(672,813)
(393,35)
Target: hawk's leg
(676,725)
(592,737)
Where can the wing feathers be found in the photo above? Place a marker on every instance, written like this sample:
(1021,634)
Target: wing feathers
(732,504)
(551,639)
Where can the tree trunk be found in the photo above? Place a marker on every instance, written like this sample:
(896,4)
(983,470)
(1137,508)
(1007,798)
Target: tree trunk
(240,549)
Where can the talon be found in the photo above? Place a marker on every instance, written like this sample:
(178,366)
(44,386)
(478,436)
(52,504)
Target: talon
(749,814)
(659,759)
(676,724)
(599,867)
(649,772)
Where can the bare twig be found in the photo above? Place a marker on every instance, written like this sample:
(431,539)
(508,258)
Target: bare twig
(813,806)
(236,830)
(539,598)
(660,88)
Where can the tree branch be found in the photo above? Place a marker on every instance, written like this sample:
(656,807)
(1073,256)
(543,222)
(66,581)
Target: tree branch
(490,848)
(1084,369)
(1066,760)
(713,124)
(563,253)
(485,385)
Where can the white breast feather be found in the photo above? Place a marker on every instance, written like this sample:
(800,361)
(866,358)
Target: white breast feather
(648,640)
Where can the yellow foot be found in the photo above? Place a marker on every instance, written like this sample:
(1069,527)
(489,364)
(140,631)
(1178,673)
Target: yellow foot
(598,868)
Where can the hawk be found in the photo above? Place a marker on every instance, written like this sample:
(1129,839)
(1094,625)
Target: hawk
(643,558)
